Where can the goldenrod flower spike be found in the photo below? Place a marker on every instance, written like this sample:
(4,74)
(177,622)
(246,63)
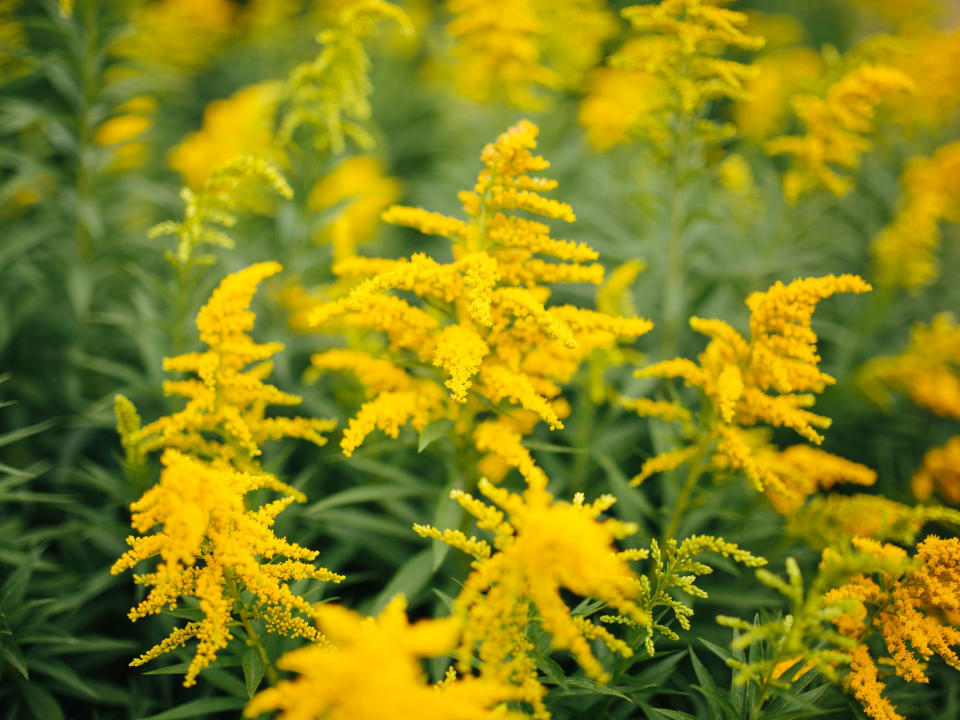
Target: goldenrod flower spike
(770,378)
(331,94)
(484,320)
(928,371)
(210,544)
(904,253)
(667,75)
(541,547)
(515,50)
(837,126)
(372,670)
(225,400)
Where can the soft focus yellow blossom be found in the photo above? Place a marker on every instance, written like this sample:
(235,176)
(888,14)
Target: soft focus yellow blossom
(330,95)
(621,104)
(932,61)
(357,191)
(676,65)
(497,343)
(940,473)
(372,670)
(735,174)
(210,545)
(12,39)
(540,548)
(512,50)
(836,129)
(225,414)
(769,379)
(239,125)
(928,371)
(833,518)
(120,131)
(178,35)
(802,470)
(904,253)
(779,75)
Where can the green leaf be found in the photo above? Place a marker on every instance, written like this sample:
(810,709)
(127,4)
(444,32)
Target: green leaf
(253,669)
(409,580)
(198,708)
(656,713)
(11,653)
(366,493)
(433,432)
(24,432)
(588,686)
(41,703)
(63,674)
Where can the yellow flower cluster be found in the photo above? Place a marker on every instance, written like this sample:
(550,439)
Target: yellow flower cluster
(179,35)
(904,252)
(331,94)
(928,370)
(540,547)
(210,544)
(372,671)
(673,69)
(932,61)
(940,471)
(513,49)
(769,379)
(834,518)
(495,341)
(913,611)
(779,75)
(802,470)
(225,414)
(359,191)
(239,125)
(121,131)
(836,127)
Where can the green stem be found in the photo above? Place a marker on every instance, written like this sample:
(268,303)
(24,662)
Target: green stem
(686,493)
(673,304)
(253,637)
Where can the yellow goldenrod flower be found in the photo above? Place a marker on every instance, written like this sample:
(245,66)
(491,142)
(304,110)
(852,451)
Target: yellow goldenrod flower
(133,120)
(836,126)
(511,50)
(904,252)
(832,519)
(769,379)
(225,414)
(210,545)
(496,341)
(179,35)
(802,470)
(778,76)
(239,125)
(540,548)
(911,611)
(331,94)
(672,69)
(867,688)
(357,191)
(940,471)
(932,61)
(928,370)
(372,670)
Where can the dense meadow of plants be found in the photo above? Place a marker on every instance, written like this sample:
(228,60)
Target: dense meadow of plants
(479,359)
